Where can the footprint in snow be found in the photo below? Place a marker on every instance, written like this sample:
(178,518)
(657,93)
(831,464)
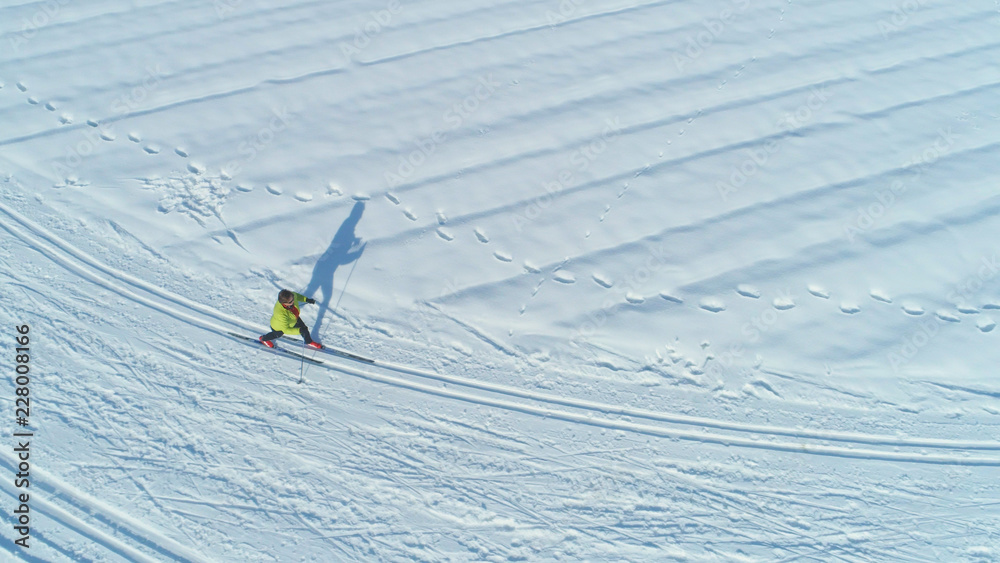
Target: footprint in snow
(562,276)
(22,87)
(850,308)
(410,214)
(274,189)
(181,152)
(986,324)
(503,256)
(818,291)
(666,295)
(879,295)
(303,197)
(913,309)
(713,305)
(445,234)
(948,316)
(482,236)
(748,291)
(783,303)
(151,149)
(634,298)
(602,281)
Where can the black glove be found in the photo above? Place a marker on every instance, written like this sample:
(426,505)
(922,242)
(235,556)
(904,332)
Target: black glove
(310,301)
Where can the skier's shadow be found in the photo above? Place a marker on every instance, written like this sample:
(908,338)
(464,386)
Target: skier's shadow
(345,248)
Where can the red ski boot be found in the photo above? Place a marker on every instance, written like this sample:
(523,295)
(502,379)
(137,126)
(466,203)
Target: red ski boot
(267,343)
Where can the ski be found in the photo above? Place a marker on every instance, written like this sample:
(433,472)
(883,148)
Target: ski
(347,355)
(344,354)
(277,349)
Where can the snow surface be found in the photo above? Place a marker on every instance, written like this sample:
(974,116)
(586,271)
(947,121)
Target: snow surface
(644,280)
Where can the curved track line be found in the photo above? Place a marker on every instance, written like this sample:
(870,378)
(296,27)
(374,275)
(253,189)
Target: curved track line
(603,410)
(142,533)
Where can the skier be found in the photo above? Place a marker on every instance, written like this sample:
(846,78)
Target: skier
(286,320)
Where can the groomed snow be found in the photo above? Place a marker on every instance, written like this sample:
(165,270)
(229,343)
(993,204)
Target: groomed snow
(643,281)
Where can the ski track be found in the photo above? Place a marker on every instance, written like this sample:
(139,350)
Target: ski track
(77,262)
(533,494)
(118,523)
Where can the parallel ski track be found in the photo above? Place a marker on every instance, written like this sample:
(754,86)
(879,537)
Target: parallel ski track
(539,404)
(45,487)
